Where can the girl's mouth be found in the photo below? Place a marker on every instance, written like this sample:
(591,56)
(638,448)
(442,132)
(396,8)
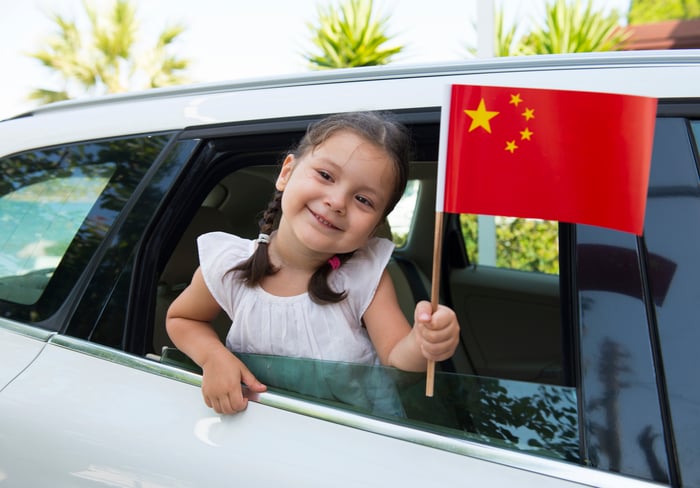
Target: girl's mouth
(323,221)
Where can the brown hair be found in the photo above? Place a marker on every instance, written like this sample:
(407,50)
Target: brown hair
(377,128)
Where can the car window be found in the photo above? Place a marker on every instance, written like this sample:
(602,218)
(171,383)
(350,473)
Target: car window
(540,419)
(56,207)
(510,393)
(512,243)
(401,217)
(38,223)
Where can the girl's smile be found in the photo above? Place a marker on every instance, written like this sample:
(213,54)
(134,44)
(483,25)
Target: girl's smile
(323,221)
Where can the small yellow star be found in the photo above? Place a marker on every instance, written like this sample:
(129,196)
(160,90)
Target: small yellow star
(510,146)
(515,99)
(480,117)
(526,134)
(529,113)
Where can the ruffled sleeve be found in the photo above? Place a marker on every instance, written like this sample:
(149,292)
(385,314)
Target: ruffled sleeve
(219,252)
(360,275)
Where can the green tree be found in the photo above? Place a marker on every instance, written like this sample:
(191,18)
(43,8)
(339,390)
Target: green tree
(643,11)
(523,244)
(104,58)
(350,35)
(572,28)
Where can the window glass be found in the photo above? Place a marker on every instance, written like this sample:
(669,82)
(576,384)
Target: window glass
(513,243)
(401,217)
(38,222)
(530,417)
(539,419)
(56,207)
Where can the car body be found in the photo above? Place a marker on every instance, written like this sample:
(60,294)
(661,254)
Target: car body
(582,376)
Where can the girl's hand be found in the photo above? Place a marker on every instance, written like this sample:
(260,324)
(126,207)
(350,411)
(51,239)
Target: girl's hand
(437,334)
(222,376)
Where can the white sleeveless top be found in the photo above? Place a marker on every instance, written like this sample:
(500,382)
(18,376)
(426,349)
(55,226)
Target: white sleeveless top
(294,326)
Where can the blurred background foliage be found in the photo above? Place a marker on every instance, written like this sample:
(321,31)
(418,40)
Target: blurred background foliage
(104,58)
(348,35)
(111,55)
(645,11)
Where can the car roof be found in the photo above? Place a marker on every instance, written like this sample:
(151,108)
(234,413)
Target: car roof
(662,74)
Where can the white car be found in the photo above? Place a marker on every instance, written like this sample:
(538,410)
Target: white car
(578,360)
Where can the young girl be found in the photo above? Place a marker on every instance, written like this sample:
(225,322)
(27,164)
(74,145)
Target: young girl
(315,287)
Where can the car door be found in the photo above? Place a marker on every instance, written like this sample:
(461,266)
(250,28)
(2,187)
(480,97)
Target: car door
(82,415)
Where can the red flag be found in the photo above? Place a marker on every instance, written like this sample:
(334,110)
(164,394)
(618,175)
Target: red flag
(570,156)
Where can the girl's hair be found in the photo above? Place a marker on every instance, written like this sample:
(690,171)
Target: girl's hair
(377,128)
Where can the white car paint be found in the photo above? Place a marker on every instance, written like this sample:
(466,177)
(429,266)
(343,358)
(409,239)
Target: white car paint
(99,423)
(342,90)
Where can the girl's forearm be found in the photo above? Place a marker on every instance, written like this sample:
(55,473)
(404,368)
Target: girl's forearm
(196,339)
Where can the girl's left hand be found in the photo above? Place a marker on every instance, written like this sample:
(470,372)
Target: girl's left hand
(437,333)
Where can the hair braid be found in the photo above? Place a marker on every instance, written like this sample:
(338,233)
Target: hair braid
(255,268)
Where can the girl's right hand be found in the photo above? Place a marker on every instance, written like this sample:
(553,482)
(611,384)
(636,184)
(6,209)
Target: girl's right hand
(222,375)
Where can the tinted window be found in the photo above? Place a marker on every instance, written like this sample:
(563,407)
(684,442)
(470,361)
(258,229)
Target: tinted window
(672,232)
(57,206)
(38,223)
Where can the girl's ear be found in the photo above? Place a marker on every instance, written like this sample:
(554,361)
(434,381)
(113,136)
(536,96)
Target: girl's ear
(285,172)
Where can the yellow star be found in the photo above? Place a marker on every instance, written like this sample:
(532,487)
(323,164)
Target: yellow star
(529,113)
(525,134)
(480,117)
(510,146)
(515,99)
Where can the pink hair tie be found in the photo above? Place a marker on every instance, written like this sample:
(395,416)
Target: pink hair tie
(334,262)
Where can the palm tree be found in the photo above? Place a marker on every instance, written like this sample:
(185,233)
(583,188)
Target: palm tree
(349,35)
(571,27)
(104,59)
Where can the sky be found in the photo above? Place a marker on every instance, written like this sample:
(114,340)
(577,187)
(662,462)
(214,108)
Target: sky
(242,39)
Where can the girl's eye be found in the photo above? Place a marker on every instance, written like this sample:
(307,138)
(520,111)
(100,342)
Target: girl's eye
(364,201)
(324,175)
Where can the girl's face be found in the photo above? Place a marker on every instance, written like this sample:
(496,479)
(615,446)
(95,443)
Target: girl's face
(335,195)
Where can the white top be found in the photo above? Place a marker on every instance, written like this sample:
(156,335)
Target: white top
(294,326)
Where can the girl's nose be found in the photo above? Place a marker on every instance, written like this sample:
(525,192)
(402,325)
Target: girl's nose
(336,202)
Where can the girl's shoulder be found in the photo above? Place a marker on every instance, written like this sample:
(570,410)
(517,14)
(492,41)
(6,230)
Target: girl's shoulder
(221,246)
(374,256)
(377,248)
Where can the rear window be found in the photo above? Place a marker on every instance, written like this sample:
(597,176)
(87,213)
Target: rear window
(56,207)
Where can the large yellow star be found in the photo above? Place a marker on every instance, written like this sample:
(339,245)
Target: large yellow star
(480,117)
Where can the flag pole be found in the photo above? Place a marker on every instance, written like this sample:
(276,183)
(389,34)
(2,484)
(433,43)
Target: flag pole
(439,217)
(434,295)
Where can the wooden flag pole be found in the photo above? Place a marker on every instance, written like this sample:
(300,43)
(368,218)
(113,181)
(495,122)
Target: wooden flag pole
(434,295)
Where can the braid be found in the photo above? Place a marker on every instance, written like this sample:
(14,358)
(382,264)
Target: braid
(267,223)
(255,268)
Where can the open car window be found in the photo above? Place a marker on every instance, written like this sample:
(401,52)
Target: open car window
(539,419)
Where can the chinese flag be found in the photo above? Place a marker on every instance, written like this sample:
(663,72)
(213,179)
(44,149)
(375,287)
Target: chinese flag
(571,156)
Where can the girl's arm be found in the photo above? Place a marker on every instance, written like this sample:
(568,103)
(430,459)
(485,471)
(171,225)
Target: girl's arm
(433,336)
(188,325)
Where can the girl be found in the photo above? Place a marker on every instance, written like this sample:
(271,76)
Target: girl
(315,287)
